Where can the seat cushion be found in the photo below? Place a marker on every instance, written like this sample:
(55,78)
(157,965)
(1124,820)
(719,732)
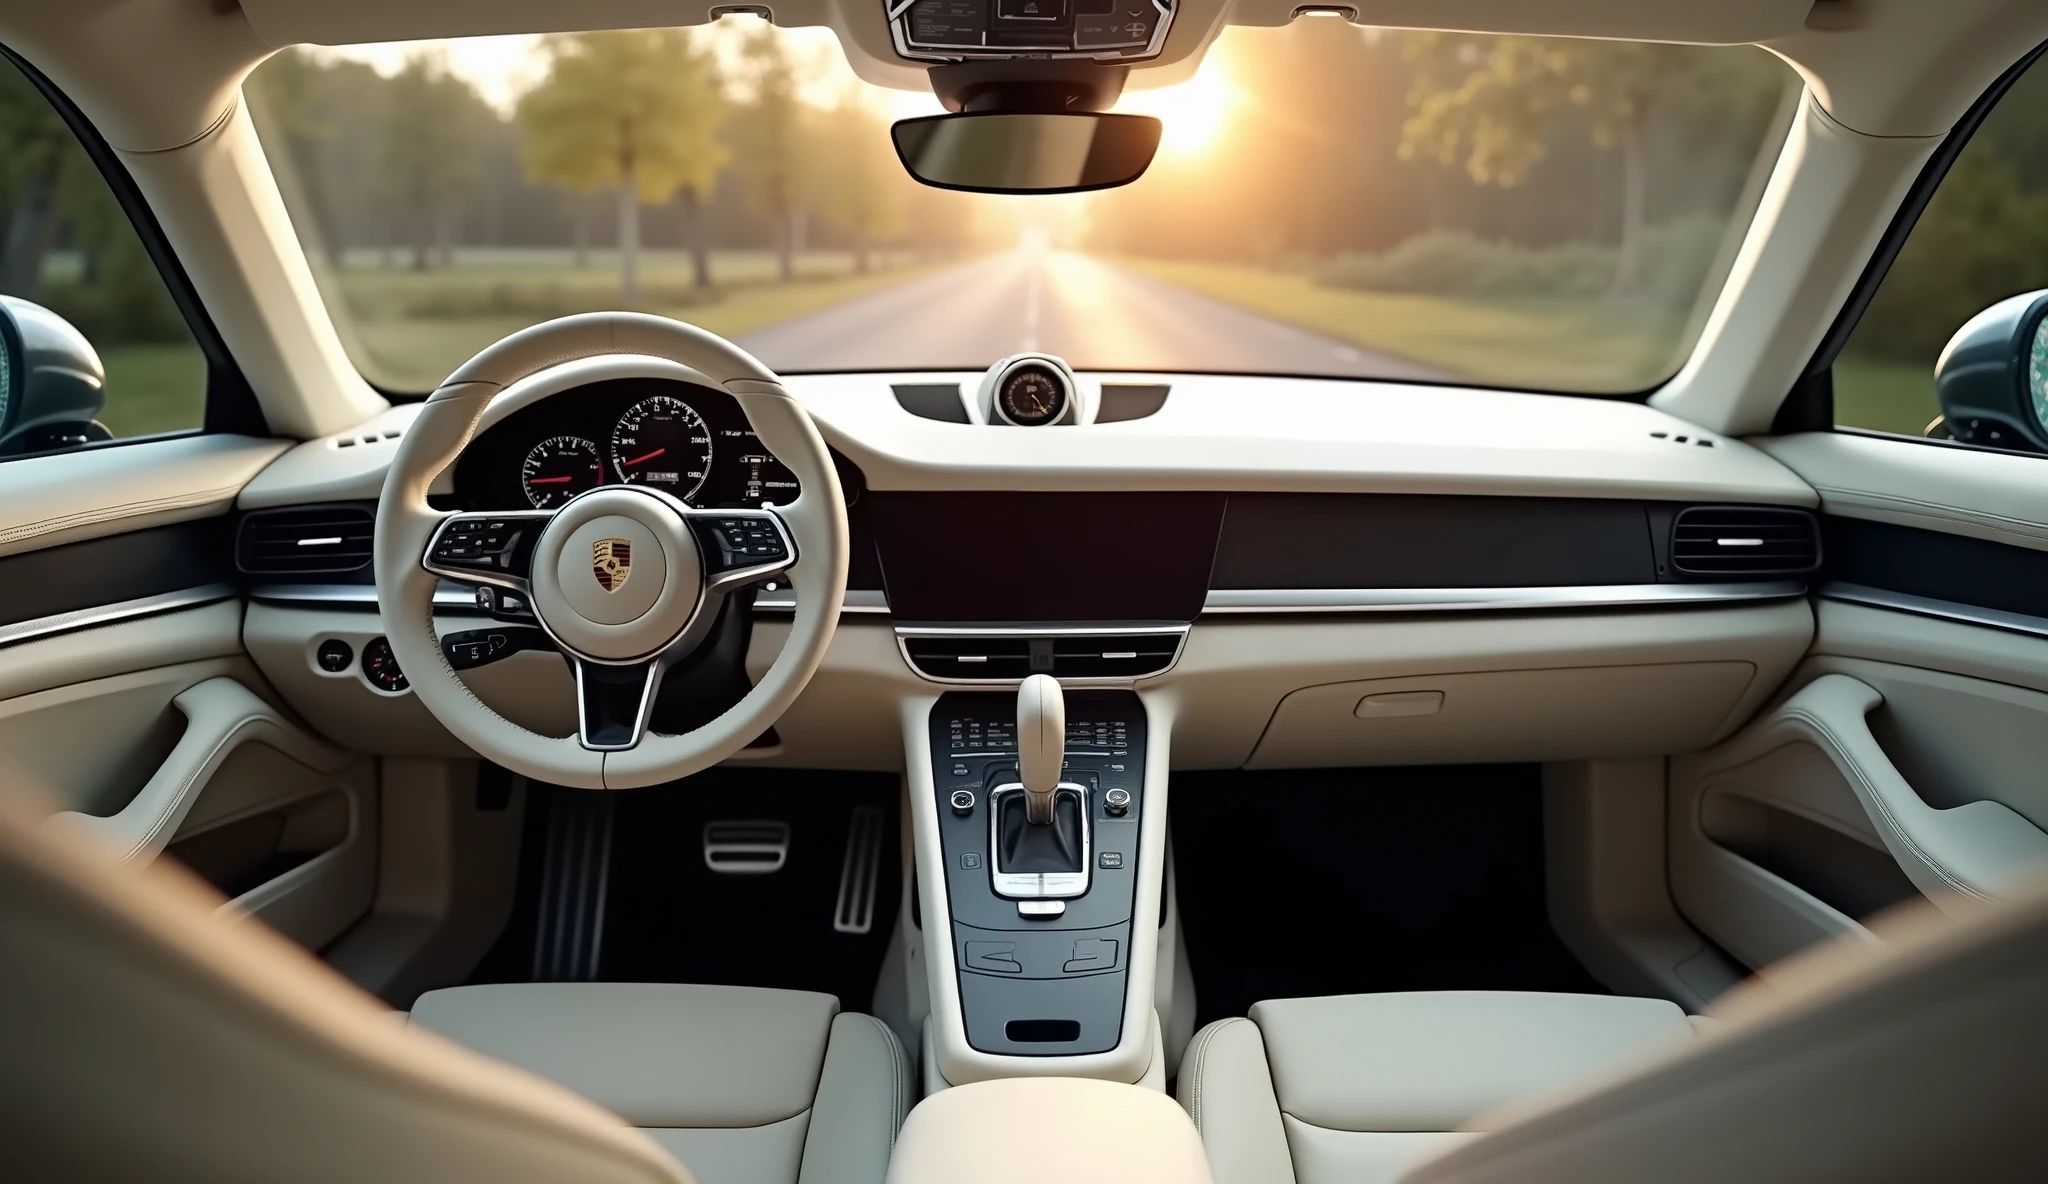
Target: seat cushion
(1356,1087)
(744,1085)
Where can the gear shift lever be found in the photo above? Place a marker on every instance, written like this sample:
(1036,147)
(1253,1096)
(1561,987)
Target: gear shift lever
(1041,744)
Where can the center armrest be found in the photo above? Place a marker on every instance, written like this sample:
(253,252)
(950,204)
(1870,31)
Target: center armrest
(1028,1130)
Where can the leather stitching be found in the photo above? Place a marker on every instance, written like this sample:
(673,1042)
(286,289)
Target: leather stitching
(899,1087)
(1195,1063)
(1869,499)
(199,500)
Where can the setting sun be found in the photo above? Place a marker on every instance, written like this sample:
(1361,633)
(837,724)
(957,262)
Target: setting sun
(1193,112)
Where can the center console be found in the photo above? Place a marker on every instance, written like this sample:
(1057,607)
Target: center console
(1042,938)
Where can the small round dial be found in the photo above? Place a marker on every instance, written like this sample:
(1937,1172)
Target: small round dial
(661,442)
(1031,395)
(558,468)
(380,666)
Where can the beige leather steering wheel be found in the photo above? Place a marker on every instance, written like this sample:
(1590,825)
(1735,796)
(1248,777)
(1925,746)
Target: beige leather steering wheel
(626,580)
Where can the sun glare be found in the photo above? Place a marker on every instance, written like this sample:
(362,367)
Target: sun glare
(1193,112)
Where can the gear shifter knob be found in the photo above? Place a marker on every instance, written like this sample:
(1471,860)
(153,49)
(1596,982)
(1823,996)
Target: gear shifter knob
(1041,744)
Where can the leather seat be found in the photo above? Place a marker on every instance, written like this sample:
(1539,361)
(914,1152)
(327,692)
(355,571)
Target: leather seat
(1356,1087)
(149,1037)
(745,1086)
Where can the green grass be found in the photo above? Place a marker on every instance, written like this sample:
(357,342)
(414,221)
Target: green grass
(1569,344)
(407,330)
(154,388)
(1884,396)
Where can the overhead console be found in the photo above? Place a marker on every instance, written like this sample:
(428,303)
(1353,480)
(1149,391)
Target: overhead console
(967,30)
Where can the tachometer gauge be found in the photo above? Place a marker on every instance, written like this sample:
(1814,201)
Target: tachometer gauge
(661,442)
(558,469)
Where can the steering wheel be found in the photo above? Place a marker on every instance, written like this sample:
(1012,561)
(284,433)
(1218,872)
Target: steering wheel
(627,581)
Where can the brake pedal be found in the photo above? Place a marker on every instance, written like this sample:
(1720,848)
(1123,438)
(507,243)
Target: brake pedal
(861,873)
(746,848)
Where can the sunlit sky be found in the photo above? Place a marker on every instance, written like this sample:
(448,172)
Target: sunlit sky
(502,68)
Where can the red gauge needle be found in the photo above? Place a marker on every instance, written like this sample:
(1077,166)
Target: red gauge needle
(549,480)
(642,459)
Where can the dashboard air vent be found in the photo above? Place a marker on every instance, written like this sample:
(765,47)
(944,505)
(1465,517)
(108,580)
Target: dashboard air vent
(1739,542)
(308,540)
(972,657)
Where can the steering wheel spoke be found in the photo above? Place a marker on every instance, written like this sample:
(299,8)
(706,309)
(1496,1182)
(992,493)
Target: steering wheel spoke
(493,549)
(613,702)
(741,546)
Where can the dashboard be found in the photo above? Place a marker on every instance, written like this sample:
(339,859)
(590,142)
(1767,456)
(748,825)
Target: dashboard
(681,438)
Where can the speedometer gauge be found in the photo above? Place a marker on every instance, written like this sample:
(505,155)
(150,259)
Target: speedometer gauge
(558,469)
(661,442)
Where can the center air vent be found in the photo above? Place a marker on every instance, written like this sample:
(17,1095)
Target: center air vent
(1742,542)
(310,540)
(968,656)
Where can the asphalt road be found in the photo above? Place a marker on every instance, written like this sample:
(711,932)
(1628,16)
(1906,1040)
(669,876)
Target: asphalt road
(1094,314)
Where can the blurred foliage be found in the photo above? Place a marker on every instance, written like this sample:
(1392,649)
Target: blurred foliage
(1676,257)
(1983,237)
(68,245)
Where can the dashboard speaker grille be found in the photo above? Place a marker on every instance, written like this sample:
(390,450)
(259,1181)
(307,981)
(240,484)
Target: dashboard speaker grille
(969,657)
(1726,541)
(313,540)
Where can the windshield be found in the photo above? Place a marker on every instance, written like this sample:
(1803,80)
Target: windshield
(1328,200)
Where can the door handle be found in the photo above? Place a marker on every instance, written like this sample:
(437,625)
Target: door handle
(1958,855)
(221,715)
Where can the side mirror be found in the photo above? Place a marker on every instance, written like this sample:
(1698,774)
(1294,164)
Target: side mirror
(52,385)
(1992,376)
(1005,152)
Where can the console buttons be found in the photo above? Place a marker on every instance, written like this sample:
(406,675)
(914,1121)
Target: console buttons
(479,543)
(947,22)
(1031,10)
(994,957)
(1111,860)
(962,802)
(970,861)
(1091,954)
(335,655)
(1041,910)
(1117,802)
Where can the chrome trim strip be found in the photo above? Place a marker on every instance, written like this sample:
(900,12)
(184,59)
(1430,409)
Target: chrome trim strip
(107,614)
(1927,606)
(448,598)
(455,598)
(905,632)
(1440,600)
(1037,630)
(858,600)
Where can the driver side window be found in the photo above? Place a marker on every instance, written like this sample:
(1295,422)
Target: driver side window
(1982,240)
(95,348)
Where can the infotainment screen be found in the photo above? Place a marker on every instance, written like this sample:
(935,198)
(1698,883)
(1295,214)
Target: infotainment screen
(1041,558)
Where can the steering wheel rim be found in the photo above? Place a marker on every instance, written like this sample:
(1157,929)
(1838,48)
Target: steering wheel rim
(408,531)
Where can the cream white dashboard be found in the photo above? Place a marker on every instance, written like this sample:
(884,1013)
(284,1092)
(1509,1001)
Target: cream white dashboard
(1474,669)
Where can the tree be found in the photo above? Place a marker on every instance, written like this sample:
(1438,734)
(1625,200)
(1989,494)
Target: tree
(1494,102)
(772,131)
(868,185)
(633,110)
(432,124)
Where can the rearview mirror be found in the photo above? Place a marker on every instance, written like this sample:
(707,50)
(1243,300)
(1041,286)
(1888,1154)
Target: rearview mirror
(1001,152)
(1992,376)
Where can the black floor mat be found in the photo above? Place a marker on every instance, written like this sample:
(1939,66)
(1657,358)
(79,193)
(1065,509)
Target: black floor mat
(1335,881)
(667,917)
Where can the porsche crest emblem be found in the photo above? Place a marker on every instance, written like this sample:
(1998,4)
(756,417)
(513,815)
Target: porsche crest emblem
(611,561)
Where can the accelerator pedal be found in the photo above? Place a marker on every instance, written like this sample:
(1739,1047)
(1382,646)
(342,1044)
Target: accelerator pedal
(861,873)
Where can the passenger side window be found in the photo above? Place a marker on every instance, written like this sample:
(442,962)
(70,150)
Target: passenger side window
(95,348)
(1980,247)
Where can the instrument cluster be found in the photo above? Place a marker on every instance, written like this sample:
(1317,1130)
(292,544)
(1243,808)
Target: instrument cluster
(678,437)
